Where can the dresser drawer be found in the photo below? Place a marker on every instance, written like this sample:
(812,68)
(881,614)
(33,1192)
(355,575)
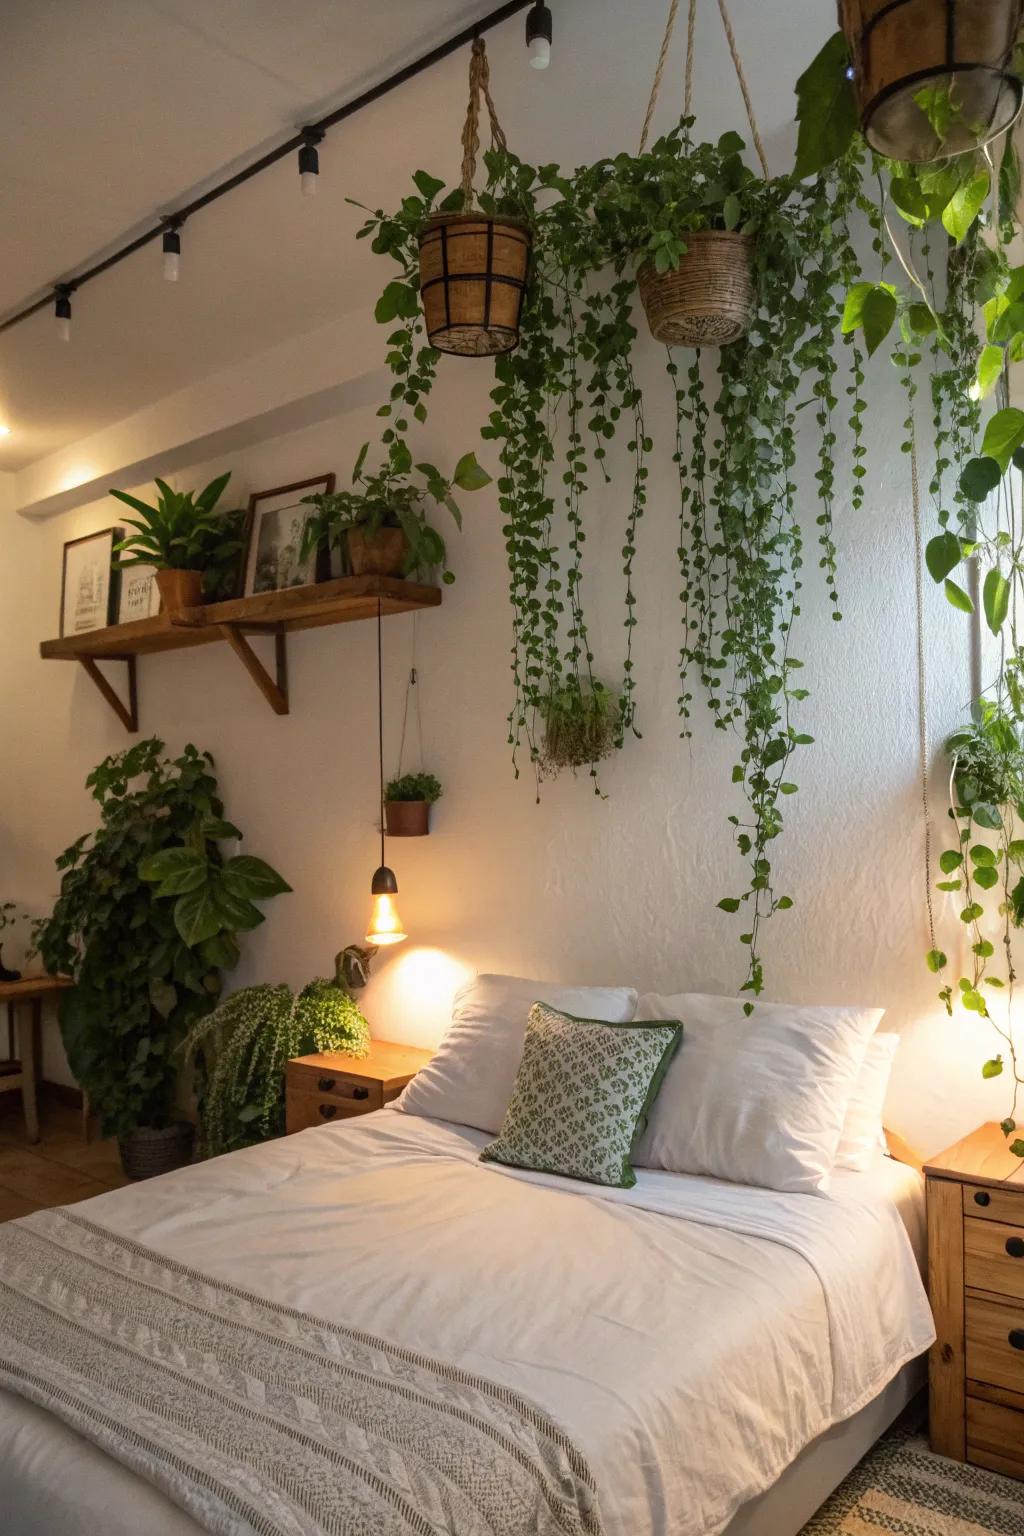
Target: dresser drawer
(994,1258)
(995,1343)
(995,1437)
(304,1110)
(343,1087)
(1005,1205)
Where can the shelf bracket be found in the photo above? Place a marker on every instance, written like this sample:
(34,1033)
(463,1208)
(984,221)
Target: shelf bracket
(128,714)
(274,691)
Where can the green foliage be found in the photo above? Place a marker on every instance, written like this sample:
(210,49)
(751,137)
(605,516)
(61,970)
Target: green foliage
(390,499)
(826,109)
(414,786)
(142,976)
(241,1050)
(184,532)
(581,727)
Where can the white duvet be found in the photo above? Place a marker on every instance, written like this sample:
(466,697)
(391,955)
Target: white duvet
(691,1336)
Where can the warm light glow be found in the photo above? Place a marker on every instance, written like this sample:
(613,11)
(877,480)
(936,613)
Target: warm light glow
(4,431)
(385,923)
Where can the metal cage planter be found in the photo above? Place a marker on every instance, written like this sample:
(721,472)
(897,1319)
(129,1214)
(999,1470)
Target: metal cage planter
(473,274)
(903,48)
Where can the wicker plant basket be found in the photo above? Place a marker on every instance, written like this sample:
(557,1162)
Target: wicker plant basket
(900,47)
(146,1152)
(383,553)
(709,299)
(473,273)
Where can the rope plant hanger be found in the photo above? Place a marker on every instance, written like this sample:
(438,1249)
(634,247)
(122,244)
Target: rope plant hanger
(709,297)
(473,267)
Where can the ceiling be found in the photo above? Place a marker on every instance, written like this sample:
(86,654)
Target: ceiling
(116,110)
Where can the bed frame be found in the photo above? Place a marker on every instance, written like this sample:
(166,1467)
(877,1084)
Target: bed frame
(785,1508)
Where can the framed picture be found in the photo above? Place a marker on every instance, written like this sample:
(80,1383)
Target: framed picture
(88,591)
(278,521)
(139,596)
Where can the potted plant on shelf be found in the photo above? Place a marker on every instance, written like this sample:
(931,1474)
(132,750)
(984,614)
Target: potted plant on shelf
(184,538)
(381,528)
(148,917)
(242,1048)
(407,802)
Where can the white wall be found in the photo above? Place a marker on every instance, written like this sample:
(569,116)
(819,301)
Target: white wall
(621,889)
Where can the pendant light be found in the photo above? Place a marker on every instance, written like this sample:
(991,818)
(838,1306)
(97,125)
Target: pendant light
(538,35)
(385,925)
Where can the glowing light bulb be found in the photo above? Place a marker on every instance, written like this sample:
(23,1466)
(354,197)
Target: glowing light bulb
(540,53)
(4,430)
(538,35)
(385,924)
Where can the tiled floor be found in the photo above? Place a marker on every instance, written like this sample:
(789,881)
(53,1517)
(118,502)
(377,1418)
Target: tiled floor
(59,1169)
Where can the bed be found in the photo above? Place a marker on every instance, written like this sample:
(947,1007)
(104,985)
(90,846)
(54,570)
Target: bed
(704,1356)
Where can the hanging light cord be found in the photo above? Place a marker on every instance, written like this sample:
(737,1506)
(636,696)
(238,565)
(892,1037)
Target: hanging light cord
(380,724)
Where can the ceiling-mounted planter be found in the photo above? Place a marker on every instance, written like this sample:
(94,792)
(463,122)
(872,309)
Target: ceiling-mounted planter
(473,272)
(708,300)
(933,77)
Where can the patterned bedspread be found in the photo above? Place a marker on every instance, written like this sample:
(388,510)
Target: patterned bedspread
(255,1417)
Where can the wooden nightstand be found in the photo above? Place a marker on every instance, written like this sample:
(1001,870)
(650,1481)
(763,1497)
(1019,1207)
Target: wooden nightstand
(330,1086)
(976,1285)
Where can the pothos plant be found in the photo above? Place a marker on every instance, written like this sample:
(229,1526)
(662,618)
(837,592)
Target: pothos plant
(563,397)
(947,289)
(390,498)
(148,916)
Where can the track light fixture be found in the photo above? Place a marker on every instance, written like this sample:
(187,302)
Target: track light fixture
(62,310)
(172,249)
(538,35)
(309,161)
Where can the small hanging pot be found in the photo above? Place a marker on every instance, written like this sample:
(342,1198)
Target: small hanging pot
(407,818)
(708,300)
(961,49)
(474,268)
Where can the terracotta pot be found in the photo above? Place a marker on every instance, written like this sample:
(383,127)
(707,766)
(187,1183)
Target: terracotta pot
(964,47)
(180,589)
(407,818)
(709,299)
(383,553)
(145,1152)
(473,273)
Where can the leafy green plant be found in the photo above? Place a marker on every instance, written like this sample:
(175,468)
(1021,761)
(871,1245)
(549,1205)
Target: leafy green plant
(389,499)
(581,727)
(183,531)
(241,1050)
(143,970)
(414,786)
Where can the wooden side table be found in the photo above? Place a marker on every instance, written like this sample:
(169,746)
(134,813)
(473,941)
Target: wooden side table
(976,1286)
(22,1073)
(331,1086)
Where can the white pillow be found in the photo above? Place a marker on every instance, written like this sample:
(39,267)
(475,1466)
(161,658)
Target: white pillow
(758,1100)
(471,1078)
(863,1132)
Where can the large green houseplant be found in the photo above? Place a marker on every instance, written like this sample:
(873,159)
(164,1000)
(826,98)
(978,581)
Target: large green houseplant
(148,917)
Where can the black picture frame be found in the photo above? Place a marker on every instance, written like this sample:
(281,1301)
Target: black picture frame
(87,561)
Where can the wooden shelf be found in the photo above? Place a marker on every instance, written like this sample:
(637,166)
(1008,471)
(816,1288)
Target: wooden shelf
(268,613)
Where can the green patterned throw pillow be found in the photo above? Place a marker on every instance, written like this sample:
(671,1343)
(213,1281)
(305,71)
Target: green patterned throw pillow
(582,1095)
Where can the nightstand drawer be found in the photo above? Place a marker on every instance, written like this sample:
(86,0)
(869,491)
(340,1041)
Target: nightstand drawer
(304,1110)
(995,1343)
(994,1258)
(345,1087)
(995,1437)
(994,1204)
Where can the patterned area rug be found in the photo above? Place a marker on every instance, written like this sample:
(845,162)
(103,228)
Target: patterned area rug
(902,1488)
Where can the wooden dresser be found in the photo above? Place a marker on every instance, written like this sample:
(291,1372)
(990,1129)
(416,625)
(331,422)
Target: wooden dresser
(976,1284)
(330,1086)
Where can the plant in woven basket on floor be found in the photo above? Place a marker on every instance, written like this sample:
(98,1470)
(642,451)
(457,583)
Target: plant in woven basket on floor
(147,919)
(242,1048)
(380,527)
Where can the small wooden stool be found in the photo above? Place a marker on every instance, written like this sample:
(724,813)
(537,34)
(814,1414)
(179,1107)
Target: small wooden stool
(23,1072)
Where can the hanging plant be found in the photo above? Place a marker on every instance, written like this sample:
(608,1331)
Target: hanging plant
(581,726)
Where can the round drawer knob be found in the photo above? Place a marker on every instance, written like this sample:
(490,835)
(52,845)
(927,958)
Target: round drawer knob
(1015,1247)
(325,1084)
(1016,1338)
(328,1111)
(360,1093)
(982,1197)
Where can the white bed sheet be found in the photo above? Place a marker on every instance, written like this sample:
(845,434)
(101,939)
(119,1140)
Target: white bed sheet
(691,1336)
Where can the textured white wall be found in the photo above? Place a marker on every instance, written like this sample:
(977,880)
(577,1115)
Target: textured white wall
(621,889)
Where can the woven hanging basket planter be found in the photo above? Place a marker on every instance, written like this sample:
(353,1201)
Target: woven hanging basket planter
(473,273)
(474,268)
(963,47)
(708,300)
